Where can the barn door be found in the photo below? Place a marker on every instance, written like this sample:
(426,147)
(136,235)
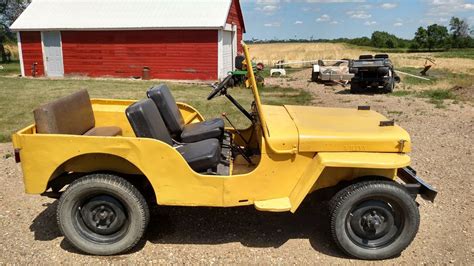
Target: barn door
(227,51)
(52,53)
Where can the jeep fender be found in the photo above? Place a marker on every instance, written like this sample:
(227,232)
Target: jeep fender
(329,168)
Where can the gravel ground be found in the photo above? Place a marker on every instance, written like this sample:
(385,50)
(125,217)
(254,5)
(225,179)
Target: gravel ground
(442,154)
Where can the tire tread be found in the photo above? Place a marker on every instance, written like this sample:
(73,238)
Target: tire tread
(340,197)
(114,181)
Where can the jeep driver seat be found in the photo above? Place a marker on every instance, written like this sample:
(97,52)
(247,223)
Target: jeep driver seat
(174,121)
(146,122)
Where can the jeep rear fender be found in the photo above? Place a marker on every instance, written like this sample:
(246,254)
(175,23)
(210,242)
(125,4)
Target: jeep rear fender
(329,168)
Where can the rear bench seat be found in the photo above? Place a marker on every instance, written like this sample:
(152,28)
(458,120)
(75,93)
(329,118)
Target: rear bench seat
(71,115)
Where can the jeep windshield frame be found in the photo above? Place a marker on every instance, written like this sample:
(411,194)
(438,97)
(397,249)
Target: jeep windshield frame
(257,104)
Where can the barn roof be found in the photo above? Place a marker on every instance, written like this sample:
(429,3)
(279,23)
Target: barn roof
(123,14)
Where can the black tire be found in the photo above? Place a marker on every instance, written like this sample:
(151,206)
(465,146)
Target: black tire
(388,88)
(102,214)
(314,76)
(374,220)
(355,88)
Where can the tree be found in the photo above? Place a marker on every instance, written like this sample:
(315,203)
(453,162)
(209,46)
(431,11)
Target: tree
(382,39)
(421,38)
(9,12)
(458,27)
(459,33)
(437,36)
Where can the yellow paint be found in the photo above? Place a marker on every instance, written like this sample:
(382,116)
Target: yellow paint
(344,166)
(282,132)
(274,205)
(342,129)
(293,160)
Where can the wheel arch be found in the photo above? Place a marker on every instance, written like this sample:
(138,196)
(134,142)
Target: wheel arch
(328,169)
(91,163)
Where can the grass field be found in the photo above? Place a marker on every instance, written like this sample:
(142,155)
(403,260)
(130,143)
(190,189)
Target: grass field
(456,61)
(12,68)
(19,96)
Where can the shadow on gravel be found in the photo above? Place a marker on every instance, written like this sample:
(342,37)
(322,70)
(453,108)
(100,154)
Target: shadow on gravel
(368,92)
(252,228)
(44,226)
(202,225)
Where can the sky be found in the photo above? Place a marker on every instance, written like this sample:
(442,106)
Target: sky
(329,19)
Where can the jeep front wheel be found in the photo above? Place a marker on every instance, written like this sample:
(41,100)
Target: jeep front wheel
(102,214)
(374,219)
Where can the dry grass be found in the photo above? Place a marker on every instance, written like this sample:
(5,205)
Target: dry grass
(271,53)
(13,49)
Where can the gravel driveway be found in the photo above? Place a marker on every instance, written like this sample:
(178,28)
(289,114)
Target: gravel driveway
(443,155)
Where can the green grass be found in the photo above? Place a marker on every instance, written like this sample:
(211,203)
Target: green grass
(401,93)
(19,96)
(437,97)
(457,53)
(436,76)
(8,69)
(266,72)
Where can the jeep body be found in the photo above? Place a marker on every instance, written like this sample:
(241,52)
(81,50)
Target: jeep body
(293,151)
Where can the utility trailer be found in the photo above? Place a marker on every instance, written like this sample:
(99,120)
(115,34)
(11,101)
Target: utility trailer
(331,70)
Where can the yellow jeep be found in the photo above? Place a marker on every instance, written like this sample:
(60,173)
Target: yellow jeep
(107,161)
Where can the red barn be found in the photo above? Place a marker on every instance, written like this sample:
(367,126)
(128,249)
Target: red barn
(175,39)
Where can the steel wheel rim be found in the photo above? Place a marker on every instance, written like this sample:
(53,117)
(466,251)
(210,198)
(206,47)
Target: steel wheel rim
(101,218)
(375,223)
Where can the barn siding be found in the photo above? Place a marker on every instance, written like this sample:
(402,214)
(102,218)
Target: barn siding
(234,18)
(32,52)
(170,54)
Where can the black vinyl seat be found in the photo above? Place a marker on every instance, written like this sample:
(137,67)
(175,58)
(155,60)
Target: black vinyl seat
(146,122)
(164,100)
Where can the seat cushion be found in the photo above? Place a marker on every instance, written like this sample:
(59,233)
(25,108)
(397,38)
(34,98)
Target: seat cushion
(169,110)
(208,129)
(146,121)
(71,114)
(104,131)
(201,155)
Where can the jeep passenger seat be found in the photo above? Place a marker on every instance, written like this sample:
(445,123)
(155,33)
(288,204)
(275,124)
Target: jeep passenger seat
(174,121)
(146,122)
(71,115)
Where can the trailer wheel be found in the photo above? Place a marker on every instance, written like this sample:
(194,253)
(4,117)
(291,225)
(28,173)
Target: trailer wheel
(102,214)
(374,219)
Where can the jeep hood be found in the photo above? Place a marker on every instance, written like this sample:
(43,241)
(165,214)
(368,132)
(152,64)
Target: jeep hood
(339,129)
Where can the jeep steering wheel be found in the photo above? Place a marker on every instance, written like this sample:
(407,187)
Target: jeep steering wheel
(219,87)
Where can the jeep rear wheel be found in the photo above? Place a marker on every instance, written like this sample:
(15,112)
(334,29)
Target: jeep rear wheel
(102,214)
(374,219)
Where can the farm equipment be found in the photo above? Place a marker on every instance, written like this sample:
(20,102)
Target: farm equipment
(108,160)
(239,75)
(331,70)
(373,72)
